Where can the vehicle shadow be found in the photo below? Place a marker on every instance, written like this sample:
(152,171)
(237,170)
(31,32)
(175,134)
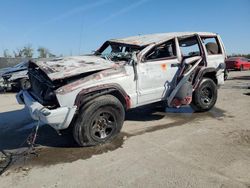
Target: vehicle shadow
(156,112)
(144,114)
(240,78)
(53,148)
(16,126)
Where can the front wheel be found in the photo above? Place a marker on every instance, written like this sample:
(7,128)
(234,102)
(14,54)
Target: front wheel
(205,95)
(99,121)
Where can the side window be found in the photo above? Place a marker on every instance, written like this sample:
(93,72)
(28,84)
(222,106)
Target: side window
(189,46)
(212,45)
(113,48)
(244,59)
(162,51)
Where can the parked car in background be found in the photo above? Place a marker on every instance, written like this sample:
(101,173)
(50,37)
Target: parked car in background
(15,78)
(238,63)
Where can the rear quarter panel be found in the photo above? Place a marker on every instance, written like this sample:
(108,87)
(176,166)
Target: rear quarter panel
(216,59)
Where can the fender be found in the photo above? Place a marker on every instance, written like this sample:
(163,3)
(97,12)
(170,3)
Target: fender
(201,73)
(88,94)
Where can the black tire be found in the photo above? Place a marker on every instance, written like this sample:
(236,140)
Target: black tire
(205,96)
(24,84)
(241,68)
(99,121)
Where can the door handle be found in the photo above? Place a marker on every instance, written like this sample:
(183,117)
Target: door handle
(175,65)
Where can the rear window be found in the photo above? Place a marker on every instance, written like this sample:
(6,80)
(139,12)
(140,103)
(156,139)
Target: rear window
(212,45)
(244,59)
(232,59)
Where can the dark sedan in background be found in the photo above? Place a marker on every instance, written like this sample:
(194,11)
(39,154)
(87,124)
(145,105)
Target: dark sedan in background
(14,78)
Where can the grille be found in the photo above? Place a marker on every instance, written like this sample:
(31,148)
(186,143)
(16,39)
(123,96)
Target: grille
(38,87)
(41,91)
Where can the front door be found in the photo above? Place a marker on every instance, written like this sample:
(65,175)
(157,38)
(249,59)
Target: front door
(156,72)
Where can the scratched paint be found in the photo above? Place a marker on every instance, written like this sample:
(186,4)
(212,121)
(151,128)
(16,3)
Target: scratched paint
(72,66)
(118,72)
(164,67)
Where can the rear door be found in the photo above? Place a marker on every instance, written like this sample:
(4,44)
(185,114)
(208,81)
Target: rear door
(214,50)
(156,72)
(215,55)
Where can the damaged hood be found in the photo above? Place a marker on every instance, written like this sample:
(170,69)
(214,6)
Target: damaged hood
(66,67)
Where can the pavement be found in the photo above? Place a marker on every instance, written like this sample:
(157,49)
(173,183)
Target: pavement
(156,148)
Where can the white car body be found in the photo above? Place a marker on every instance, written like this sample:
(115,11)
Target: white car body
(151,81)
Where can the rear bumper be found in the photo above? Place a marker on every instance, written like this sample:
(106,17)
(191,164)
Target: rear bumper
(59,118)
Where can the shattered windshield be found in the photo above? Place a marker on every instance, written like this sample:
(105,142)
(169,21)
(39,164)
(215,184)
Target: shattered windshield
(117,51)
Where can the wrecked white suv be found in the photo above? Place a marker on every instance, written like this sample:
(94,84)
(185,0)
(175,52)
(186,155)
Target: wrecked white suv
(91,93)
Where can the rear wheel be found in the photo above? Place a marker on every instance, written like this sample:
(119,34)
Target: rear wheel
(99,121)
(205,96)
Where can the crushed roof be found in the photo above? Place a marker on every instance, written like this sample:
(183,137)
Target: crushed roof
(143,40)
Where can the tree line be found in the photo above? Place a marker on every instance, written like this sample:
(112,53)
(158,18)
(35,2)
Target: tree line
(240,55)
(28,52)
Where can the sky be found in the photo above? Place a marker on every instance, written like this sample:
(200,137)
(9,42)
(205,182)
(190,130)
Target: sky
(74,27)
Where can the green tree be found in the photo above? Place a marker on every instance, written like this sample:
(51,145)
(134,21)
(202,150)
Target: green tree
(27,51)
(6,53)
(43,52)
(240,55)
(18,53)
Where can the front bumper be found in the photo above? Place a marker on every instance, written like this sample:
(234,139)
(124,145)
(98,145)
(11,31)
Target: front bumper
(59,118)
